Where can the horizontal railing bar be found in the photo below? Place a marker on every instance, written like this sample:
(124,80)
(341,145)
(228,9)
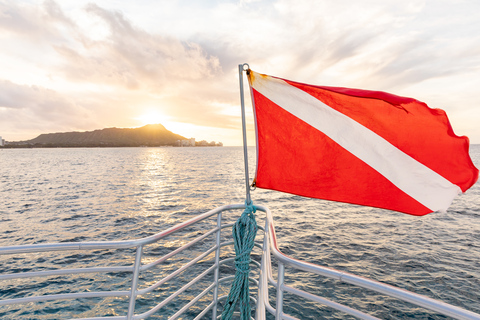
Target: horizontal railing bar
(329,303)
(227,225)
(64,296)
(176,272)
(225,279)
(224,297)
(236,313)
(175,294)
(204,312)
(102,318)
(224,261)
(192,302)
(192,221)
(229,243)
(68,246)
(33,274)
(178,250)
(43,247)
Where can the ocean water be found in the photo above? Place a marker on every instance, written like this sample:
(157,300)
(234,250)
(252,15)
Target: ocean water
(83,194)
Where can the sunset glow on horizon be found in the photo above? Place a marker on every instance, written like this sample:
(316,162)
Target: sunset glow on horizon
(151,117)
(75,65)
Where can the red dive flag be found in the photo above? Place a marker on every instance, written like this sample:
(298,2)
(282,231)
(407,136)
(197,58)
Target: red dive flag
(363,147)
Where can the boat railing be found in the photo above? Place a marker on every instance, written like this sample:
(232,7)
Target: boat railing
(271,246)
(209,258)
(191,280)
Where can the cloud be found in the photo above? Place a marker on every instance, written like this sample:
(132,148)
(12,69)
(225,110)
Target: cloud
(36,24)
(19,19)
(127,56)
(133,58)
(32,107)
(109,61)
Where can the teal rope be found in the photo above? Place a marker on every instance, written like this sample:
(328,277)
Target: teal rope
(244,232)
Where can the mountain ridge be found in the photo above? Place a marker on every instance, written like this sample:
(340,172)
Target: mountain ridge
(148,135)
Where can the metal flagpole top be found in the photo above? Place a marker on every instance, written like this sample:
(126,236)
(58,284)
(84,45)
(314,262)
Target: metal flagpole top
(241,68)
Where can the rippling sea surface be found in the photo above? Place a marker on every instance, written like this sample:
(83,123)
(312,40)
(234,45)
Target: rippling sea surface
(64,195)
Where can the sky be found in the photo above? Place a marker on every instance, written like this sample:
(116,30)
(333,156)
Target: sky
(75,65)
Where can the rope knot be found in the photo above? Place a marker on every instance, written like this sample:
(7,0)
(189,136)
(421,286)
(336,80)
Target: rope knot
(242,266)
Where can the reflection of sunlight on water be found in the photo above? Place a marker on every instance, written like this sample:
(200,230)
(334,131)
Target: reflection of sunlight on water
(154,177)
(174,243)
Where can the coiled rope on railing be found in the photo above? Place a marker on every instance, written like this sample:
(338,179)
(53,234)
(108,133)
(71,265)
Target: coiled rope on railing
(244,232)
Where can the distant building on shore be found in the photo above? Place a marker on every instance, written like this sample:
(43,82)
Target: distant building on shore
(205,143)
(186,143)
(2,142)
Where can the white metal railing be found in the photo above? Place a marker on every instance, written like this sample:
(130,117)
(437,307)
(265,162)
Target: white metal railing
(271,248)
(220,279)
(137,269)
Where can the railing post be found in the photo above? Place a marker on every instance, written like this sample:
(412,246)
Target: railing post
(281,278)
(133,292)
(263,281)
(217,268)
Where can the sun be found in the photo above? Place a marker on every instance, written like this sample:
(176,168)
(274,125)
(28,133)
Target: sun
(151,117)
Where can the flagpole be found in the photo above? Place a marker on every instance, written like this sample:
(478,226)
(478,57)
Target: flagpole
(245,152)
(243,232)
